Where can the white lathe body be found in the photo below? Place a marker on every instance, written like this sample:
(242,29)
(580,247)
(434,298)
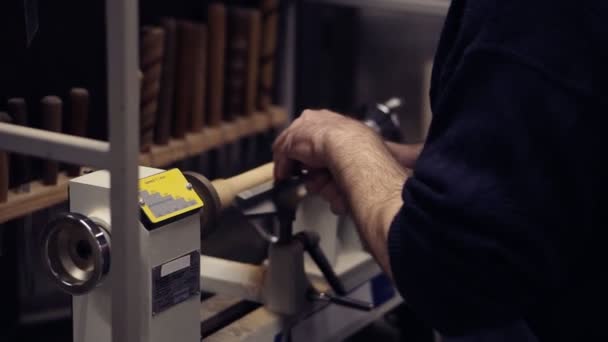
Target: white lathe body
(175,273)
(169,266)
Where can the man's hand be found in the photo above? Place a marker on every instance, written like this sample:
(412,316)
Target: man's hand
(322,183)
(351,167)
(309,141)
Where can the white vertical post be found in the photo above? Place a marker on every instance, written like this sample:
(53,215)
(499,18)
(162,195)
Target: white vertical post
(123,106)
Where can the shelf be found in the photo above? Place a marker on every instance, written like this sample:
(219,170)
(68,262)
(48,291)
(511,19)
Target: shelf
(42,196)
(39,197)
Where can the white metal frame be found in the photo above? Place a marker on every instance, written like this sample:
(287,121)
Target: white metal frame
(120,156)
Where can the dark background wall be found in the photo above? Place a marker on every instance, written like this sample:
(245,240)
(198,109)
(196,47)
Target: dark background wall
(348,57)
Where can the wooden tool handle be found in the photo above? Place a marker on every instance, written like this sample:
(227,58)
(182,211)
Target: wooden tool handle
(183,92)
(21,164)
(237,45)
(199,45)
(268,49)
(79,105)
(255,36)
(4,167)
(167,86)
(151,60)
(79,115)
(228,189)
(51,111)
(217,47)
(18,111)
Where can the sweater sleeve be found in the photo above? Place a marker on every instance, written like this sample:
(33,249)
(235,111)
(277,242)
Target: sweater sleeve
(478,240)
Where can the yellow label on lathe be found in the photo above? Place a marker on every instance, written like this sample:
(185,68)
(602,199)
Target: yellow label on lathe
(167,195)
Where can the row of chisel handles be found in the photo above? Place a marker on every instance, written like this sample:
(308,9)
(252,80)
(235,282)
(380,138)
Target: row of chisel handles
(52,109)
(192,75)
(196,74)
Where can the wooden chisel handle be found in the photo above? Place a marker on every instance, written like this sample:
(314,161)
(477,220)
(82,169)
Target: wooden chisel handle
(152,50)
(251,91)
(183,92)
(217,49)
(18,111)
(21,164)
(228,189)
(51,111)
(4,166)
(79,115)
(199,43)
(269,43)
(162,132)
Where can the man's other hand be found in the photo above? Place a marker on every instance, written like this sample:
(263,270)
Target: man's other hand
(313,140)
(351,167)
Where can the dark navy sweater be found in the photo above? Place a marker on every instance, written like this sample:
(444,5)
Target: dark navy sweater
(504,219)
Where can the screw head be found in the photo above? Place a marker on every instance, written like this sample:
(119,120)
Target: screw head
(188,186)
(141,202)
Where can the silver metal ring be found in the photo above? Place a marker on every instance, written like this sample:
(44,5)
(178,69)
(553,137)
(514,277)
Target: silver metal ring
(76,252)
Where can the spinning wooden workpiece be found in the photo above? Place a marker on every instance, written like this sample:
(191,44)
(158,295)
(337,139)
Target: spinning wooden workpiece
(228,189)
(221,193)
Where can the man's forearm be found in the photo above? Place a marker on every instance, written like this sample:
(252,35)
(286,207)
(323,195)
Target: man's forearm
(372,180)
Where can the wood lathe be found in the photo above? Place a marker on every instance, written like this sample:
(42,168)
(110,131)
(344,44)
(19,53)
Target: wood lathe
(316,283)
